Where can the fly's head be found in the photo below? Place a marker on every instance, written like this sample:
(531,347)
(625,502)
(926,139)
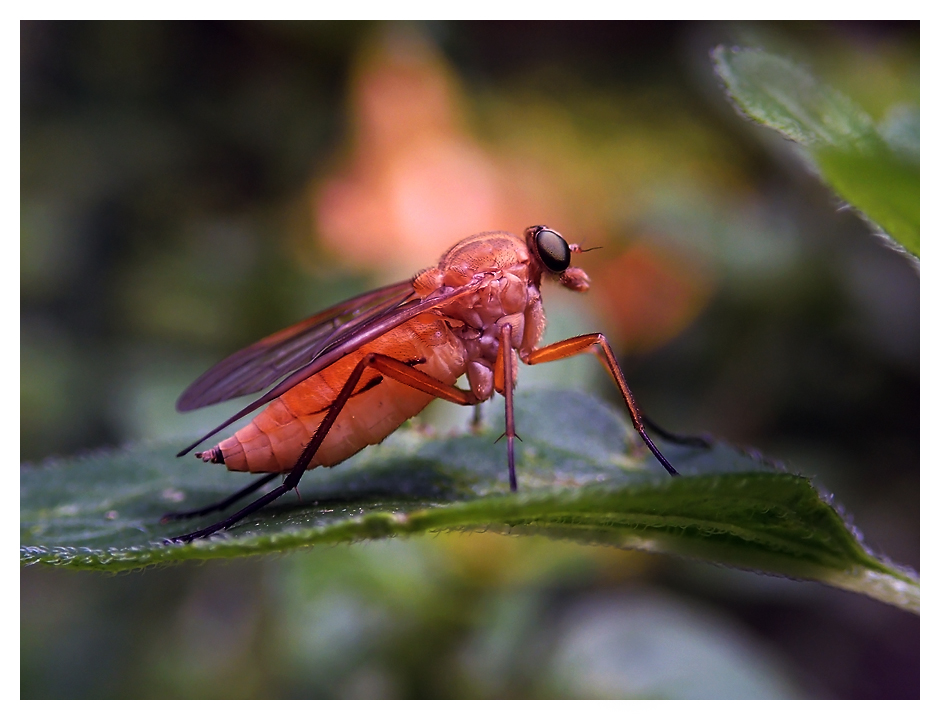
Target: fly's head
(552,255)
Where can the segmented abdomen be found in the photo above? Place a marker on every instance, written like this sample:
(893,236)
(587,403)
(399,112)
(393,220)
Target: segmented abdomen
(274,440)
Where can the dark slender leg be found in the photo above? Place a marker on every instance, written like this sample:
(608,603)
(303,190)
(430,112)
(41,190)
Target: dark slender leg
(225,524)
(222,504)
(389,367)
(293,477)
(702,441)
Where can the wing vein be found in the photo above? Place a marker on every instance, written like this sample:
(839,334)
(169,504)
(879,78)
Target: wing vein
(346,342)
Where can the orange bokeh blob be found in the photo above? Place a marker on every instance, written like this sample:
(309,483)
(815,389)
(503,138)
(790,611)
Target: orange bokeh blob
(415,181)
(649,295)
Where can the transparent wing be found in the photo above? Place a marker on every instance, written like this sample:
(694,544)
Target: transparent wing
(387,309)
(257,366)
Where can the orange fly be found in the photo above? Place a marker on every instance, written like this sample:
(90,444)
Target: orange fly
(350,375)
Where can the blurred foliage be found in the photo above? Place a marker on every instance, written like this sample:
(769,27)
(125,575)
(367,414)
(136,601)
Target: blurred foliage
(175,205)
(879,173)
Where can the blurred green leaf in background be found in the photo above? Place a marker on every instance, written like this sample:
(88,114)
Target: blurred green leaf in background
(187,188)
(877,170)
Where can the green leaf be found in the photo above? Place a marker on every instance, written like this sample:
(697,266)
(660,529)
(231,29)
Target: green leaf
(901,130)
(776,93)
(583,476)
(885,184)
(878,172)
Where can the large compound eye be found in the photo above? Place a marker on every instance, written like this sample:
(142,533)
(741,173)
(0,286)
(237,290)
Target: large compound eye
(553,250)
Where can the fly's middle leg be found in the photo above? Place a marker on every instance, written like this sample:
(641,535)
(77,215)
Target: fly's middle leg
(503,370)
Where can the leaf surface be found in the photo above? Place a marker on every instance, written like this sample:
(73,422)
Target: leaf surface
(583,476)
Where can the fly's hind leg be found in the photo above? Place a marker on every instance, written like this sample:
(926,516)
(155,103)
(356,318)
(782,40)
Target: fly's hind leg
(389,367)
(596,343)
(222,504)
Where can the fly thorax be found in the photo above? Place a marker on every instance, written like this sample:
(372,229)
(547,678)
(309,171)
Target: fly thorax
(500,302)
(496,295)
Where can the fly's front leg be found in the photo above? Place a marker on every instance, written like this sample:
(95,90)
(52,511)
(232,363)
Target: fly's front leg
(596,343)
(700,441)
(391,368)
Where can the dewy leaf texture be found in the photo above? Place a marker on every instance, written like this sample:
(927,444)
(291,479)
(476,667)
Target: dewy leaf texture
(583,476)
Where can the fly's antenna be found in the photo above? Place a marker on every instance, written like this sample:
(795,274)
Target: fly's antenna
(577,249)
